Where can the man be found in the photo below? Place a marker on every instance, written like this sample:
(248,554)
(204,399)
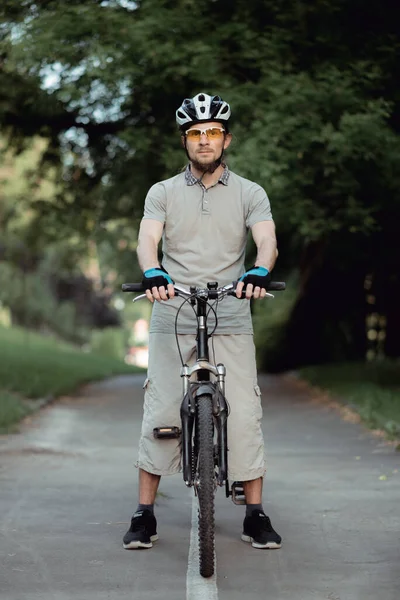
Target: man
(202,216)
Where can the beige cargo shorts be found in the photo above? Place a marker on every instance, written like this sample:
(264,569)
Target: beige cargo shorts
(163,397)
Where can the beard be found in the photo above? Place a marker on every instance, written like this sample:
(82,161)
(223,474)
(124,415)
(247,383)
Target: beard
(208,168)
(205,167)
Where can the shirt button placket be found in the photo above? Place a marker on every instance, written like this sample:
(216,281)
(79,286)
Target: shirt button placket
(205,207)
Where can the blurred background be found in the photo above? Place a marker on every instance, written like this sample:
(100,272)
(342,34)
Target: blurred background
(88,93)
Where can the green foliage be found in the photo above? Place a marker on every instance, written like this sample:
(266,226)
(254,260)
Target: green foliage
(12,409)
(373,390)
(314,93)
(315,113)
(36,366)
(33,304)
(111,341)
(270,317)
(325,153)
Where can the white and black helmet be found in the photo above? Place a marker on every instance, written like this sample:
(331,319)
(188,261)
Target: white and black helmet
(202,108)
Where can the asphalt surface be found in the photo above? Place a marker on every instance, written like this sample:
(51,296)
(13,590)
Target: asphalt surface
(68,487)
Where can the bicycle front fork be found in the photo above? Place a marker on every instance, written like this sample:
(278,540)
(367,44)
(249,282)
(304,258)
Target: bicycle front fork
(192,390)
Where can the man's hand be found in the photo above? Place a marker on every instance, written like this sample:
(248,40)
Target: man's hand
(256,281)
(158,284)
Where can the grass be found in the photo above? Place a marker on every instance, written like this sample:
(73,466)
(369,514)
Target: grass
(34,366)
(12,409)
(371,389)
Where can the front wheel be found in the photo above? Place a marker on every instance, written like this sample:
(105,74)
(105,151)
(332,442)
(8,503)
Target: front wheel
(206,485)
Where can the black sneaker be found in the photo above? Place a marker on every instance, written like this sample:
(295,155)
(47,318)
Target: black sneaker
(258,530)
(142,532)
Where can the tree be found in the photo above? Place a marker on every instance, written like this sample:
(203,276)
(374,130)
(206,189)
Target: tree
(315,98)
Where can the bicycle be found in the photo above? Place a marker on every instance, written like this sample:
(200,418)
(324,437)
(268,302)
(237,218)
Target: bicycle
(204,414)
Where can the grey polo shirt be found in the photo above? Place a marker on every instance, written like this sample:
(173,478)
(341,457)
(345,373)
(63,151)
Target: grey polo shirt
(204,239)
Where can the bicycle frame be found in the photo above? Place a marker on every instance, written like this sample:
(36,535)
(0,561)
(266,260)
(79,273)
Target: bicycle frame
(203,370)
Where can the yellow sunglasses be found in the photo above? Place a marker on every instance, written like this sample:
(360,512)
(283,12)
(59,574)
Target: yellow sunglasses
(212,133)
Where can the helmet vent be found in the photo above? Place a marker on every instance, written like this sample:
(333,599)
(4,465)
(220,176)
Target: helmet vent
(202,108)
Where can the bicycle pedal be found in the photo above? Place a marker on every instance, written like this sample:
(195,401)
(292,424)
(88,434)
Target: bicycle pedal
(237,492)
(166,433)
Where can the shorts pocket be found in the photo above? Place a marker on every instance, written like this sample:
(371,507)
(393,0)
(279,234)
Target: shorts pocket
(257,402)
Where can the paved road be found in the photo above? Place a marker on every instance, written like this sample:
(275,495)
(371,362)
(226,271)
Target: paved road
(68,488)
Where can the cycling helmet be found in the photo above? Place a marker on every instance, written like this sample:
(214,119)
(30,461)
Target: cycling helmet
(202,108)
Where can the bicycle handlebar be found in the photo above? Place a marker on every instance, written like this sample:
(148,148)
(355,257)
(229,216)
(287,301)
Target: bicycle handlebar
(228,289)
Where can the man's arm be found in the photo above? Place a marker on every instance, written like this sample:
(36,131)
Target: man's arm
(150,233)
(264,238)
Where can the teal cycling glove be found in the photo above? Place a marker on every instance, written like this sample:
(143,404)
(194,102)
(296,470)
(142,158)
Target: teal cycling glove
(257,276)
(157,277)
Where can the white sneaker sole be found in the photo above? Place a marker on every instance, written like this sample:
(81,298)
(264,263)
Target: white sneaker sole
(139,544)
(267,546)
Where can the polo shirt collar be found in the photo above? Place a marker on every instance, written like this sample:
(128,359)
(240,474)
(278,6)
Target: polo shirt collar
(190,179)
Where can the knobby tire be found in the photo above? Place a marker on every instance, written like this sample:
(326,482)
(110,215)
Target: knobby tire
(206,489)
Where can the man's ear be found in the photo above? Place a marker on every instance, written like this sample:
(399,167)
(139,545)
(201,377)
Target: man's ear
(228,139)
(183,140)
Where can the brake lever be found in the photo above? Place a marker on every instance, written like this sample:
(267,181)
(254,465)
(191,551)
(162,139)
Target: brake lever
(179,291)
(144,296)
(139,297)
(231,291)
(243,296)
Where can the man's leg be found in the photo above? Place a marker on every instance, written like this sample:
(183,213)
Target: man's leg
(253,495)
(161,408)
(148,486)
(253,491)
(257,528)
(143,530)
(245,439)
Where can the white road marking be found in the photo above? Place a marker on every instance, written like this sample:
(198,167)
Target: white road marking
(197,587)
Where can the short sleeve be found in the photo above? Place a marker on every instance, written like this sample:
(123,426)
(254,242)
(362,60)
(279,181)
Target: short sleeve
(155,204)
(259,207)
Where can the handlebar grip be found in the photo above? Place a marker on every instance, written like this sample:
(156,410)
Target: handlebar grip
(132,287)
(277,285)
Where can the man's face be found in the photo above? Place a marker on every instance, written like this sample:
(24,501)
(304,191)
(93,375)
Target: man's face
(206,148)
